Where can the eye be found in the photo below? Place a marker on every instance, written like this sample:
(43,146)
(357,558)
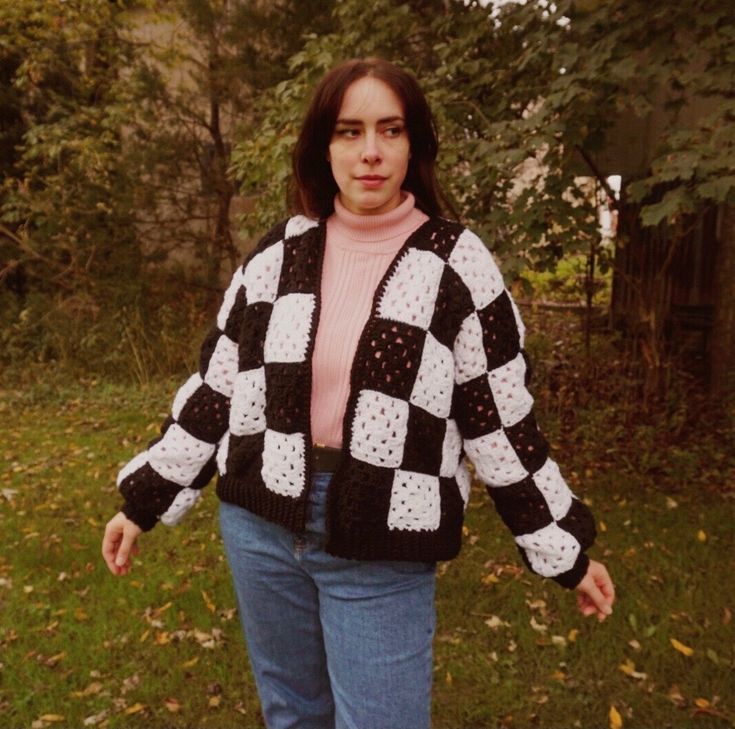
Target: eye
(347,132)
(394,131)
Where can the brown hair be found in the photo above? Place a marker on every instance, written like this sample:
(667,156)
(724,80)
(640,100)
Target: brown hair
(313,185)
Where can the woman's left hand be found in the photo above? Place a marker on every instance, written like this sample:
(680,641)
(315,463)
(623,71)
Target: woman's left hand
(596,592)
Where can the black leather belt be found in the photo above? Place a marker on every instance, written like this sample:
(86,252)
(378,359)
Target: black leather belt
(325,458)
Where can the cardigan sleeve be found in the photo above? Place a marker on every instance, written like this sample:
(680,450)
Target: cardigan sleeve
(165,480)
(494,412)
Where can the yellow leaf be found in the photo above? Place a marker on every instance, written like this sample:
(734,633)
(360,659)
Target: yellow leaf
(616,721)
(163,637)
(80,614)
(702,703)
(572,635)
(214,701)
(701,536)
(51,717)
(92,522)
(685,649)
(190,663)
(159,611)
(145,635)
(135,708)
(602,526)
(172,705)
(51,661)
(208,602)
(448,679)
(490,579)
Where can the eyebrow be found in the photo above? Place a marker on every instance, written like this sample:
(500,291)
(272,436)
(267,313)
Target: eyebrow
(386,120)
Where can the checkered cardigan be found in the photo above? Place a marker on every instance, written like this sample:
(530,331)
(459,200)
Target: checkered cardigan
(439,375)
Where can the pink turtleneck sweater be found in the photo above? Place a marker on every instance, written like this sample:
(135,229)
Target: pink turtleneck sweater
(359,249)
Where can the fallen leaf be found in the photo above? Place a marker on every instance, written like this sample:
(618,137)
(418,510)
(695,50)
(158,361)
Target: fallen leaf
(96,718)
(701,536)
(490,579)
(51,718)
(538,627)
(628,668)
(214,701)
(676,697)
(616,721)
(172,705)
(448,678)
(726,616)
(559,641)
(190,663)
(208,602)
(702,703)
(495,622)
(685,649)
(572,635)
(135,708)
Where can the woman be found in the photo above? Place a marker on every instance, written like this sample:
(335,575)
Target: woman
(363,349)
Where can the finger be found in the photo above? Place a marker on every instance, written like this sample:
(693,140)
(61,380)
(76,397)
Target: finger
(599,600)
(128,541)
(109,550)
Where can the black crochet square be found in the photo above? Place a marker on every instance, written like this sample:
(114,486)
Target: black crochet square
(252,335)
(422,451)
(206,414)
(453,305)
(242,450)
(207,349)
(441,238)
(521,506)
(299,272)
(390,358)
(528,443)
(579,522)
(147,486)
(474,408)
(287,406)
(357,507)
(499,331)
(234,318)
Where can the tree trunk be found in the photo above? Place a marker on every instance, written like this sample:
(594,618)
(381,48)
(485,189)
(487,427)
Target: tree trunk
(722,341)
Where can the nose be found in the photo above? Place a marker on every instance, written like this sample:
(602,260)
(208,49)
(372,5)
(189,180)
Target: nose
(370,151)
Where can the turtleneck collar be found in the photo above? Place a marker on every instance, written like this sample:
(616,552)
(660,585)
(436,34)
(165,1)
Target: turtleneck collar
(382,233)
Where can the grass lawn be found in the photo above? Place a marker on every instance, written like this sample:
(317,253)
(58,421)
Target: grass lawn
(162,647)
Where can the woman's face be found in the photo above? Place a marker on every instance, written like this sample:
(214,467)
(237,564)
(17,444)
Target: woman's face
(370,148)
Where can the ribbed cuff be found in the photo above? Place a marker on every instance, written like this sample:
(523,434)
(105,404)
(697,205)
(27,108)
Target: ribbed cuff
(573,577)
(144,519)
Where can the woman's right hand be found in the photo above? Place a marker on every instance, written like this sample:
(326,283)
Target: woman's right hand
(118,544)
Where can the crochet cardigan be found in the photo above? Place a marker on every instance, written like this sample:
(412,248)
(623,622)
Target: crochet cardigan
(439,375)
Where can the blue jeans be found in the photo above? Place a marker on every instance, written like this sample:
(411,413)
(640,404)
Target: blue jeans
(334,643)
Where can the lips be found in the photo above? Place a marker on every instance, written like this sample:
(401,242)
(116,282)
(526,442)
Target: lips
(371,181)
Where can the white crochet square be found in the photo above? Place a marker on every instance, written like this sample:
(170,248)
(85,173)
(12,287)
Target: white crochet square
(519,321)
(464,481)
(507,384)
(550,483)
(229,298)
(475,265)
(434,383)
(551,550)
(184,393)
(379,429)
(247,408)
(451,449)
(287,336)
(284,462)
(179,456)
(263,273)
(495,459)
(470,360)
(185,499)
(223,450)
(222,366)
(414,502)
(410,292)
(299,224)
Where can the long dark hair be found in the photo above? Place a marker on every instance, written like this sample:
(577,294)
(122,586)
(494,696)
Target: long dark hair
(313,186)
